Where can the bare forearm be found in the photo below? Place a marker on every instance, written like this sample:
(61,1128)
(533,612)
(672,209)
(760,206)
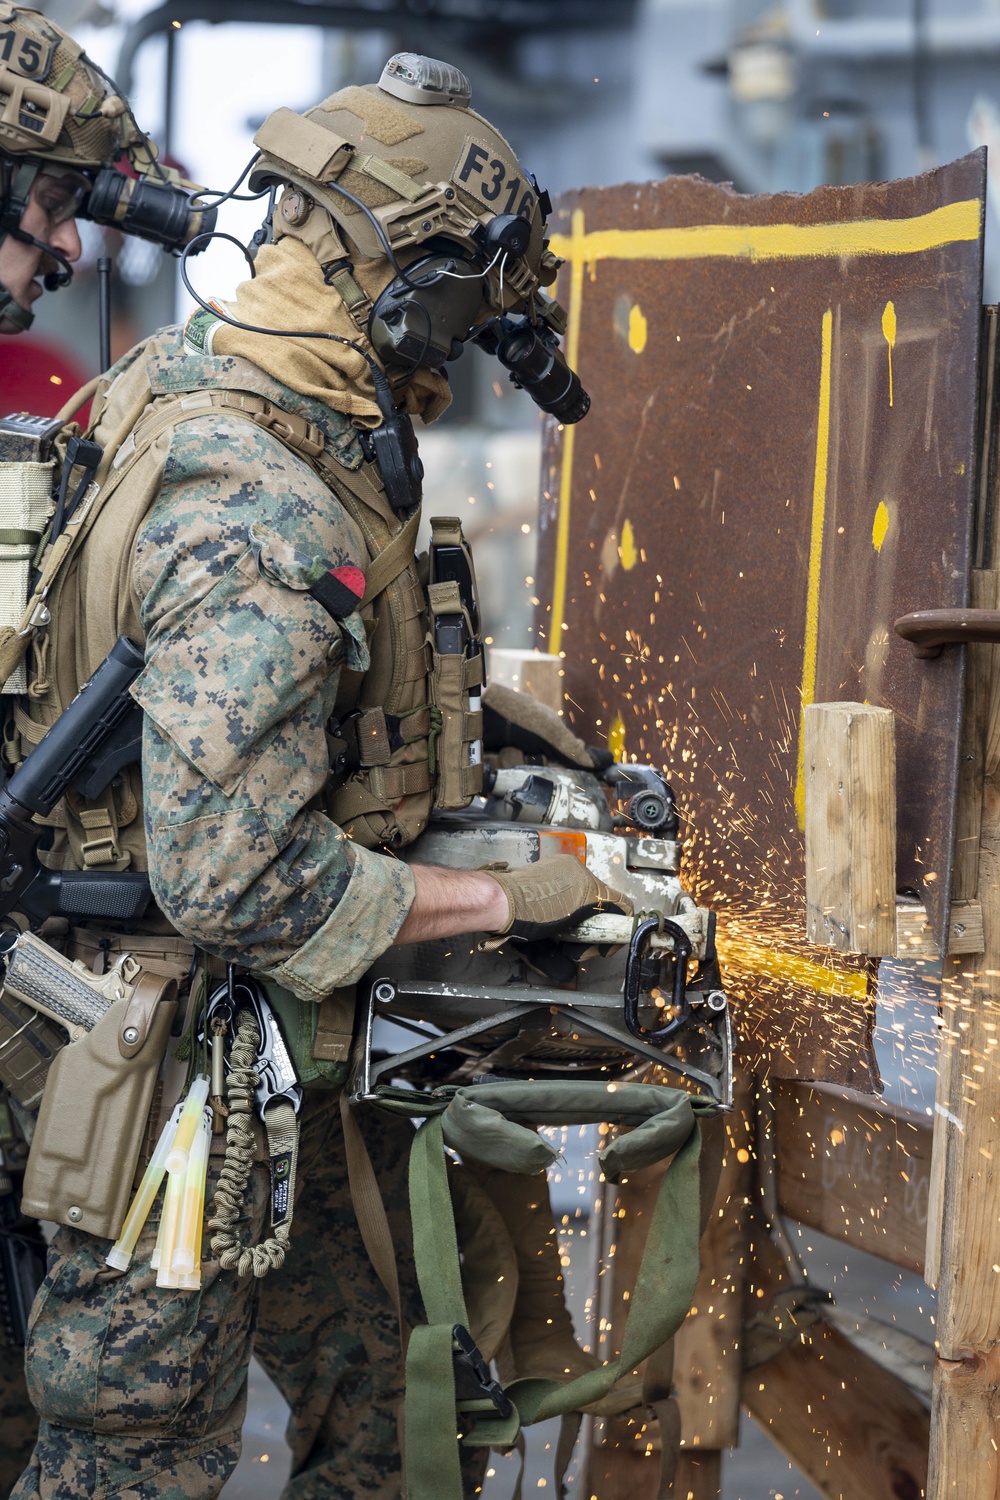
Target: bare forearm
(449,902)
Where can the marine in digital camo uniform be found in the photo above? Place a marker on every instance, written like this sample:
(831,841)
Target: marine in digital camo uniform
(245,456)
(47,159)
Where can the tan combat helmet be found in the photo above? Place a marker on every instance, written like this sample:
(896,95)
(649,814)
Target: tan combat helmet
(405,174)
(426,167)
(54,104)
(61,115)
(57,115)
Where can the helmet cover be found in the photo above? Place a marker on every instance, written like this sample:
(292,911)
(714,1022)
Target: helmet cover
(54,105)
(412,152)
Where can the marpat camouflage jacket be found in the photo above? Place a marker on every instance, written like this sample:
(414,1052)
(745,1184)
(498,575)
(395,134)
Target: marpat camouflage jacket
(242,669)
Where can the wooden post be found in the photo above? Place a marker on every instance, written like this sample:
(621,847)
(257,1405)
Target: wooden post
(963,1238)
(699,1474)
(530,672)
(850,781)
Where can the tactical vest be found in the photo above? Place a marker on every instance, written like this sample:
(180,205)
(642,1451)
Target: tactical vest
(404,734)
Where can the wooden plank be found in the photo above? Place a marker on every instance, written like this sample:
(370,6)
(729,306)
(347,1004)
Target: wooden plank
(626,1459)
(915,936)
(532,672)
(618,1461)
(850,806)
(707,1362)
(855,1169)
(853,1429)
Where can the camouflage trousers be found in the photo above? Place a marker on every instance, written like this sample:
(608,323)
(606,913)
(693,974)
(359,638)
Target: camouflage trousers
(142,1391)
(18,1422)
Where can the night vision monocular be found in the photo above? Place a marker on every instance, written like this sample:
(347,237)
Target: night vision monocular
(530,351)
(162,211)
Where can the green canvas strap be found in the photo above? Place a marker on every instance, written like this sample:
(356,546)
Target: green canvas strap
(667,1124)
(432,1466)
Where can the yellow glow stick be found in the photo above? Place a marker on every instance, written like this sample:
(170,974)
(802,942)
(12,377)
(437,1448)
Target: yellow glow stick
(121,1252)
(187,1249)
(167,1240)
(194,1104)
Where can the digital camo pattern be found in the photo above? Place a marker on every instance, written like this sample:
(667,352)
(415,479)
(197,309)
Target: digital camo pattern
(142,1391)
(241,678)
(18,1422)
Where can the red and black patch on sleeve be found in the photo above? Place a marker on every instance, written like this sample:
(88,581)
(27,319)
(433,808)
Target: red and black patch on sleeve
(339,590)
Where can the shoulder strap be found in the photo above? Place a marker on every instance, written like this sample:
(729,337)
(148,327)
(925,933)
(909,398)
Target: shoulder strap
(392,559)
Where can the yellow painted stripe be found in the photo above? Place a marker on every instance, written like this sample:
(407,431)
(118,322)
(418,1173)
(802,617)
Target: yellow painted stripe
(749,958)
(761,242)
(569,437)
(815,559)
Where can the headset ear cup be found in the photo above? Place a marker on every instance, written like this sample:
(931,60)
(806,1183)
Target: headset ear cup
(417,319)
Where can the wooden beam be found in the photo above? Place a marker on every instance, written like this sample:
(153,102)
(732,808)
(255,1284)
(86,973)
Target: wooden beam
(850,800)
(624,1458)
(618,1463)
(915,939)
(853,1429)
(964,1464)
(532,672)
(856,1169)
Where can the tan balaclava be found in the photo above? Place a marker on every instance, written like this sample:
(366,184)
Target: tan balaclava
(288,291)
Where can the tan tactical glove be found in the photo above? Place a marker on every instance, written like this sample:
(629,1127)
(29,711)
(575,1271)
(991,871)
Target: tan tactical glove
(550,895)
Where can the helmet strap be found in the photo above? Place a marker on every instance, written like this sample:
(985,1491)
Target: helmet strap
(16,179)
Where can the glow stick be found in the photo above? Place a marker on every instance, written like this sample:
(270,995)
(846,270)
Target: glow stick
(121,1252)
(187,1128)
(187,1250)
(167,1240)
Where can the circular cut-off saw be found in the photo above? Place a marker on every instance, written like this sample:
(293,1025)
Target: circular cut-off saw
(602,1000)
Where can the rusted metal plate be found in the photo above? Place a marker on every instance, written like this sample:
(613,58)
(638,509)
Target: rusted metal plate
(779,461)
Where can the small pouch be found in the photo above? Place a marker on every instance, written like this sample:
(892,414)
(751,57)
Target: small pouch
(25,507)
(457,675)
(456,692)
(92,1120)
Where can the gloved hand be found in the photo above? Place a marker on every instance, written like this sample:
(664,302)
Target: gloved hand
(550,895)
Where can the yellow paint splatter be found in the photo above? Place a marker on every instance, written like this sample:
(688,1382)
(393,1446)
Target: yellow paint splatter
(637,329)
(880,526)
(626,548)
(889,329)
(616,737)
